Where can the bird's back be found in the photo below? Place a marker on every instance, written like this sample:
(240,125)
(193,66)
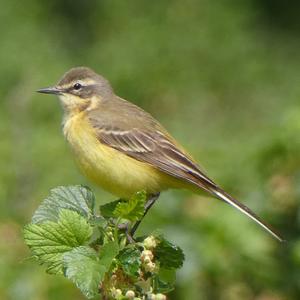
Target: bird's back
(119,113)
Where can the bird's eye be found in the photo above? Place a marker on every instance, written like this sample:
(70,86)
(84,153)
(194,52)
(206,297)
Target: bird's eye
(77,86)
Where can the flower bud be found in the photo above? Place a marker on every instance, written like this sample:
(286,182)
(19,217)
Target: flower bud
(116,292)
(160,297)
(146,253)
(130,294)
(114,278)
(150,242)
(150,267)
(147,259)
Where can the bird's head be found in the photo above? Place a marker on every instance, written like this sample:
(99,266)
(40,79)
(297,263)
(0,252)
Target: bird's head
(80,88)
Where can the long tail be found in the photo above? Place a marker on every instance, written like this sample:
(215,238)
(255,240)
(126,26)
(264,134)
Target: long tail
(222,195)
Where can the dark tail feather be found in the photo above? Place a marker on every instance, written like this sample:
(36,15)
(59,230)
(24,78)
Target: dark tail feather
(222,195)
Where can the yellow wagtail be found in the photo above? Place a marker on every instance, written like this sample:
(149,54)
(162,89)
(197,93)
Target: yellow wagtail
(124,149)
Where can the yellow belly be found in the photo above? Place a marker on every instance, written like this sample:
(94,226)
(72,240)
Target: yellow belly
(114,171)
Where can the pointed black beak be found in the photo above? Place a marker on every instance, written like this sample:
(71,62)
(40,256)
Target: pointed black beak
(50,90)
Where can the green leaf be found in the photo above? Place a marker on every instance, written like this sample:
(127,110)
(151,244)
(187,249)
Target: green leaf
(77,198)
(165,280)
(108,252)
(48,241)
(133,209)
(82,266)
(98,221)
(107,210)
(169,255)
(130,260)
(87,269)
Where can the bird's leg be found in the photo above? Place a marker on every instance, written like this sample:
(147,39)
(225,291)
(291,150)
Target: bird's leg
(151,200)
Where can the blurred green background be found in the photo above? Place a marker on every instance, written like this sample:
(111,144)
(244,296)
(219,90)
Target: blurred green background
(222,76)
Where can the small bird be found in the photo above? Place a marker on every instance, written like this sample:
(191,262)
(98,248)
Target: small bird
(124,149)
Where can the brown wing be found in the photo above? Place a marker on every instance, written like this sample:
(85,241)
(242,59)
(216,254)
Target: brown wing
(144,139)
(154,148)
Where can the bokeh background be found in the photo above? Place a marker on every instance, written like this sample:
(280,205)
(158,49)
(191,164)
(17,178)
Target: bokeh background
(222,76)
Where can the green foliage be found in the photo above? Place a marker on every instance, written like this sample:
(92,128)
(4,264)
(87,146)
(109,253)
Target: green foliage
(49,240)
(170,255)
(110,263)
(108,252)
(77,198)
(107,210)
(133,209)
(84,268)
(130,260)
(165,279)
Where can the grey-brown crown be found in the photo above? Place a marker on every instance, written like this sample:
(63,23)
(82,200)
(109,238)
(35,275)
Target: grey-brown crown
(79,73)
(92,83)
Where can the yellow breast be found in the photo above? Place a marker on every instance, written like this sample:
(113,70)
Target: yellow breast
(109,168)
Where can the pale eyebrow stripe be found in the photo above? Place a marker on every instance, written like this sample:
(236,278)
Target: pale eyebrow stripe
(87,82)
(84,83)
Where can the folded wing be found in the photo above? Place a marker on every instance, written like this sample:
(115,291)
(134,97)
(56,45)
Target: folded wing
(159,150)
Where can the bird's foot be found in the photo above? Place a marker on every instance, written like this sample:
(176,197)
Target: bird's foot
(151,200)
(125,227)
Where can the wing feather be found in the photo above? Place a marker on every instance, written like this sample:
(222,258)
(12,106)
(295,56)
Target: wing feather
(158,149)
(154,148)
